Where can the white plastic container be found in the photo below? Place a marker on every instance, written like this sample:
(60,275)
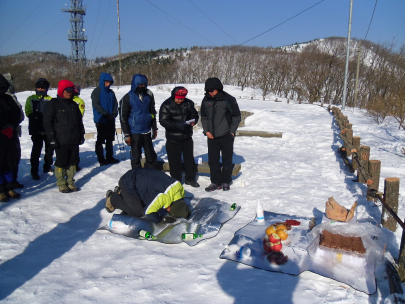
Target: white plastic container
(259,212)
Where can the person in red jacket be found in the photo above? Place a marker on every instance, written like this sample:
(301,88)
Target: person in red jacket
(64,128)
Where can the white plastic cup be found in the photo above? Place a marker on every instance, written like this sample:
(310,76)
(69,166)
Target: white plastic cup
(259,212)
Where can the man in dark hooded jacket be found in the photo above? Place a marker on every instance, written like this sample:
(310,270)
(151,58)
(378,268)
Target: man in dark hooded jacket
(34,109)
(105,109)
(178,116)
(64,128)
(220,118)
(138,117)
(10,118)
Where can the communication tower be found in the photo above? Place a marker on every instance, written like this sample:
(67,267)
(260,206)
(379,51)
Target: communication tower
(76,33)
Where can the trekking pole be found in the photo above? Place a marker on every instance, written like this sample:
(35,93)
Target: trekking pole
(119,146)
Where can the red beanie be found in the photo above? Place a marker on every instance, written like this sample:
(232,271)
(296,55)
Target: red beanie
(181,93)
(63,85)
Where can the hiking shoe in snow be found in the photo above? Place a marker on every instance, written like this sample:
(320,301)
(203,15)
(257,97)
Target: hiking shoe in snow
(35,175)
(64,189)
(78,168)
(117,189)
(108,206)
(47,169)
(103,163)
(213,187)
(112,160)
(3,198)
(192,184)
(15,185)
(225,187)
(73,188)
(13,194)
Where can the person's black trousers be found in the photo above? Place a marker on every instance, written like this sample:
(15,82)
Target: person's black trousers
(128,203)
(174,150)
(139,141)
(37,144)
(18,149)
(66,156)
(105,135)
(216,146)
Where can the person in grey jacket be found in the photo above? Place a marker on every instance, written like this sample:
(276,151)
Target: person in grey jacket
(220,118)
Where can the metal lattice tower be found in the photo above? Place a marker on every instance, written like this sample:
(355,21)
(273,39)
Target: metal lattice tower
(76,33)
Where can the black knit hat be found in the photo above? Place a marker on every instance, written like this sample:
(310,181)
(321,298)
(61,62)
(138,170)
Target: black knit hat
(180,209)
(212,84)
(42,82)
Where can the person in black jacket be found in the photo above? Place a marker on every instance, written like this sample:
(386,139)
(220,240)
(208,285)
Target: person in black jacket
(138,122)
(10,118)
(105,110)
(178,116)
(220,118)
(64,128)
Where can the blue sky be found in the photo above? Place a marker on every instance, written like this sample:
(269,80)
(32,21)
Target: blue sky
(39,25)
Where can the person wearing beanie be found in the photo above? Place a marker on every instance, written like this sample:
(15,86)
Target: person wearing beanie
(138,122)
(11,92)
(105,110)
(10,118)
(64,127)
(148,193)
(220,118)
(34,109)
(81,105)
(178,115)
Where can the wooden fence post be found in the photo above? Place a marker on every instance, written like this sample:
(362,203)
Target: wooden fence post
(356,144)
(391,193)
(349,136)
(374,169)
(364,156)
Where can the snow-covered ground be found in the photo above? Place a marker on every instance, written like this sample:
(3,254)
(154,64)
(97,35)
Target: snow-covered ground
(51,251)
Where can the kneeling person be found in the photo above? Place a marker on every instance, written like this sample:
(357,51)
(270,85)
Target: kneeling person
(148,193)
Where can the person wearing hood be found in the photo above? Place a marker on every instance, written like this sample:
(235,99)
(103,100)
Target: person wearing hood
(10,118)
(105,110)
(34,109)
(220,118)
(148,193)
(11,92)
(178,115)
(64,127)
(138,122)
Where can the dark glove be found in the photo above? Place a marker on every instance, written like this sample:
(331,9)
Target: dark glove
(168,220)
(54,143)
(127,139)
(109,116)
(154,133)
(180,126)
(82,141)
(8,131)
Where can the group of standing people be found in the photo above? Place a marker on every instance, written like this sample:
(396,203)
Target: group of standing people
(57,123)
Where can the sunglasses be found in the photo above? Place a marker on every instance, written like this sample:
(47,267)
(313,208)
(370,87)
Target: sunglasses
(42,88)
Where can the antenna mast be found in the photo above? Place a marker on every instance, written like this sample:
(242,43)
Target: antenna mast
(76,33)
(119,38)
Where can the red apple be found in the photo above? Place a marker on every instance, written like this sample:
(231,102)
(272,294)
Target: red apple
(274,238)
(277,246)
(268,247)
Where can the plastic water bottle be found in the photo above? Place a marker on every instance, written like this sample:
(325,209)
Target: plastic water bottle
(259,212)
(117,225)
(233,207)
(240,251)
(190,236)
(147,235)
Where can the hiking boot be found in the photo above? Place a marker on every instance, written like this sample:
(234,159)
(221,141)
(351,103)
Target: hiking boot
(14,194)
(213,187)
(3,198)
(225,187)
(47,169)
(112,160)
(104,162)
(73,188)
(108,206)
(64,189)
(35,175)
(15,185)
(117,189)
(78,168)
(192,184)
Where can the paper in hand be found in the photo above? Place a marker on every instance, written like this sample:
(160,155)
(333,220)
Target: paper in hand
(189,121)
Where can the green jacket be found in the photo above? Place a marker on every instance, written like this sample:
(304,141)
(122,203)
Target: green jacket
(80,103)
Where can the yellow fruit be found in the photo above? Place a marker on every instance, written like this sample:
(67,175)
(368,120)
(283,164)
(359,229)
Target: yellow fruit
(281,226)
(271,229)
(282,234)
